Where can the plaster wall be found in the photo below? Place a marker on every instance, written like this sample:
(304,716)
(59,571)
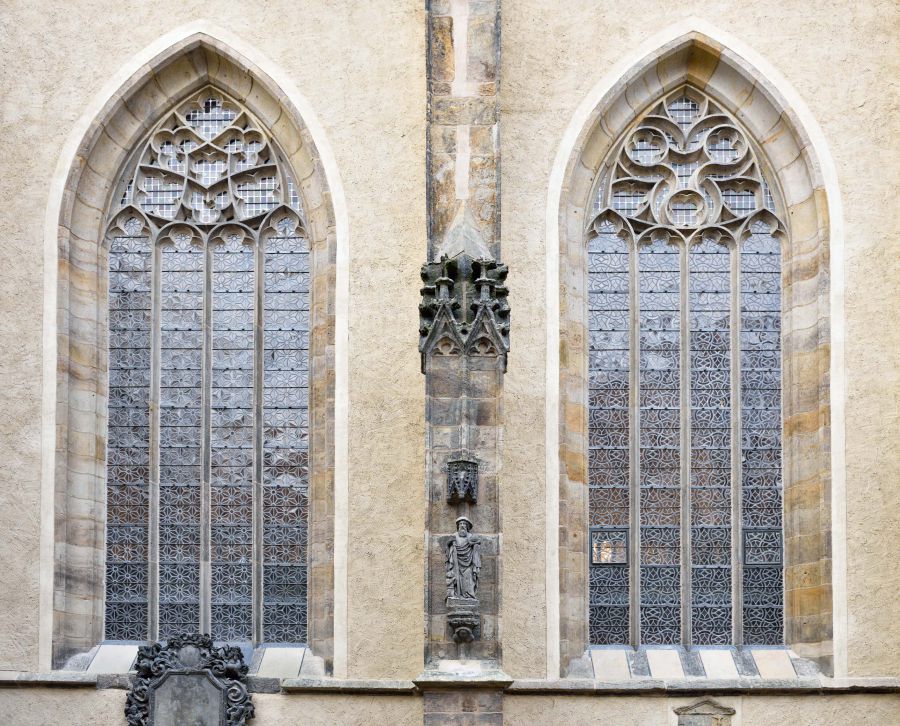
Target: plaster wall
(361,66)
(56,706)
(750,711)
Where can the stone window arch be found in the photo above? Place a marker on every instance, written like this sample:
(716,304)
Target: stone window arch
(199,171)
(601,226)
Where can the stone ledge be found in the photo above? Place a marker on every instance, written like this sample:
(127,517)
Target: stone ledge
(64,679)
(700,686)
(334,685)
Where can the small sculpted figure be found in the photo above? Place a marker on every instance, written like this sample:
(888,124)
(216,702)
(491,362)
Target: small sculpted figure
(463,561)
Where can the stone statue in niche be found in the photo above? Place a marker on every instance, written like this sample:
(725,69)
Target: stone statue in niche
(463,566)
(462,481)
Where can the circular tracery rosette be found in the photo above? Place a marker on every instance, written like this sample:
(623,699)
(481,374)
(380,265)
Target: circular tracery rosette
(209,162)
(686,165)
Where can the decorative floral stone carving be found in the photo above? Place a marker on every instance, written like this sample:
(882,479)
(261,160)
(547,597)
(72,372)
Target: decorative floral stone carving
(464,308)
(462,481)
(218,670)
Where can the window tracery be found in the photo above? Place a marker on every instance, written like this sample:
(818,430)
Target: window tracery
(684,316)
(209,318)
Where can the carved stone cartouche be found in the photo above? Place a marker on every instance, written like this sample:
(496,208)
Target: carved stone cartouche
(215,675)
(462,481)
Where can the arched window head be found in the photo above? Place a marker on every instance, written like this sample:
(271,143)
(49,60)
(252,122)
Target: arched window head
(684,319)
(207,162)
(208,443)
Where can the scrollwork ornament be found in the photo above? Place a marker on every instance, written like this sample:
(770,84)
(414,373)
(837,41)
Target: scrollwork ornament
(189,655)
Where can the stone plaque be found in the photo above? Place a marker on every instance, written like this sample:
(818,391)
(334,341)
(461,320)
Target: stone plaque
(187,699)
(189,682)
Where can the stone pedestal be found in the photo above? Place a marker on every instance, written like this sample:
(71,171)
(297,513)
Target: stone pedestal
(463,693)
(463,618)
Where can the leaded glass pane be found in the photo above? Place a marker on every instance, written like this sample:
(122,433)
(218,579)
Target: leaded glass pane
(685,180)
(761,436)
(608,296)
(659,386)
(231,437)
(181,355)
(709,275)
(227,452)
(128,452)
(285,430)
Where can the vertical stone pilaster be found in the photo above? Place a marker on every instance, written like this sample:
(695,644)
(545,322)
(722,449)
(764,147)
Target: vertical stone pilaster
(464,339)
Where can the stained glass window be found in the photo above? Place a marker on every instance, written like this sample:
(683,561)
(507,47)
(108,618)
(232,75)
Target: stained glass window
(684,320)
(209,314)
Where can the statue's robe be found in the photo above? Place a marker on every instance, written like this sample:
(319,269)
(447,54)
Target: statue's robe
(463,565)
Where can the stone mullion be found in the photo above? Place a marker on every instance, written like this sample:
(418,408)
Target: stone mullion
(258,438)
(685,462)
(737,555)
(153,515)
(634,449)
(205,567)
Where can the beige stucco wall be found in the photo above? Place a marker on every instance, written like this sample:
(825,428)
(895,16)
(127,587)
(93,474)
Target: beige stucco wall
(60,706)
(361,67)
(658,711)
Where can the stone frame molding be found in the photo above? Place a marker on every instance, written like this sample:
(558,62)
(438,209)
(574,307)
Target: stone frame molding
(81,381)
(697,60)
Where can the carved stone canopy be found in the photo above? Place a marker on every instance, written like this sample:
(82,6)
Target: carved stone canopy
(462,481)
(464,308)
(189,680)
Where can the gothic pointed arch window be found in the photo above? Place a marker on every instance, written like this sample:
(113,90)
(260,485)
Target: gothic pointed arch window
(208,467)
(684,297)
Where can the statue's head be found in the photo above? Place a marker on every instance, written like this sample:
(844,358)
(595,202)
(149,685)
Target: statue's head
(463,525)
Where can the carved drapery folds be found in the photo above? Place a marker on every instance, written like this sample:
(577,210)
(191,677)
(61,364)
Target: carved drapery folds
(463,567)
(464,308)
(183,674)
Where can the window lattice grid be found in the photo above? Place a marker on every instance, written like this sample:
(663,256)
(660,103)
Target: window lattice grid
(230,465)
(761,437)
(128,456)
(181,353)
(231,438)
(609,330)
(659,400)
(220,276)
(709,274)
(698,464)
(285,435)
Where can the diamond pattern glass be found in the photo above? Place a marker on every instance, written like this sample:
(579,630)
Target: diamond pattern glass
(709,276)
(128,453)
(659,393)
(608,311)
